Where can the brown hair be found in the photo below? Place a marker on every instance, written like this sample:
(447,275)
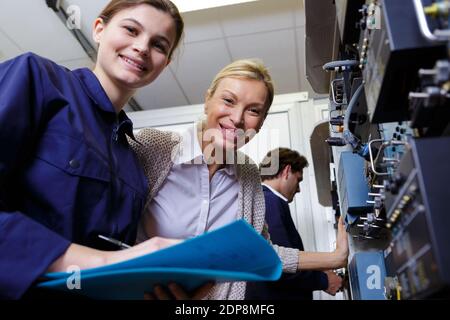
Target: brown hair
(284,157)
(166,6)
(247,69)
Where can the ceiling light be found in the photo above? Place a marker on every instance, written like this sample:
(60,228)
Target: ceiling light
(190,5)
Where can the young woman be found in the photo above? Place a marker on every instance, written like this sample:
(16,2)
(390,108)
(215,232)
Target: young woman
(214,183)
(67,173)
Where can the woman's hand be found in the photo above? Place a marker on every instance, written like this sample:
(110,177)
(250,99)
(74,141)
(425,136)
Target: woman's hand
(178,293)
(85,257)
(173,290)
(143,248)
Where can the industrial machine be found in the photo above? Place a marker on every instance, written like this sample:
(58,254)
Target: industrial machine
(390,144)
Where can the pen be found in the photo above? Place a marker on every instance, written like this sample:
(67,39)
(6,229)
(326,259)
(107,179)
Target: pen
(116,242)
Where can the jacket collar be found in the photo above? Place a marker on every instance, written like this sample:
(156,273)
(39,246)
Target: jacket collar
(95,91)
(275,192)
(190,151)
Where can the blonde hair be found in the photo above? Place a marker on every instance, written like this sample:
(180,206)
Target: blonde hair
(247,69)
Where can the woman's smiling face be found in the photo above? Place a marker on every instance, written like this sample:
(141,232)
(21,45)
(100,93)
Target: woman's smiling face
(235,112)
(134,46)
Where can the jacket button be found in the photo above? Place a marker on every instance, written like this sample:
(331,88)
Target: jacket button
(74,164)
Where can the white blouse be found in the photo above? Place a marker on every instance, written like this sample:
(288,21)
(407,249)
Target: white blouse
(188,204)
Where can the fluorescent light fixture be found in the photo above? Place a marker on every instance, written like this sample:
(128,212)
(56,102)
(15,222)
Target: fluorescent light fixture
(193,5)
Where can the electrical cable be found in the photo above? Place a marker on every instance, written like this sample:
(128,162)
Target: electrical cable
(350,138)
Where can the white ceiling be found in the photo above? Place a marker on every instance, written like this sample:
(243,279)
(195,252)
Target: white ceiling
(272,30)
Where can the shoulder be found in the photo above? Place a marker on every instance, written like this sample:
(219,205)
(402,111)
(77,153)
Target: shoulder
(33,60)
(248,173)
(25,58)
(269,194)
(32,67)
(249,177)
(33,57)
(272,199)
(155,150)
(151,141)
(155,137)
(246,165)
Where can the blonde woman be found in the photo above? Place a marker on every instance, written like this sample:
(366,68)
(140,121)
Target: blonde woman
(199,181)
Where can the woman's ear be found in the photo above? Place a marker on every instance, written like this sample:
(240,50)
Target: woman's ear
(97,29)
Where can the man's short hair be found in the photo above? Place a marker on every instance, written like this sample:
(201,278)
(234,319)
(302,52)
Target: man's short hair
(284,157)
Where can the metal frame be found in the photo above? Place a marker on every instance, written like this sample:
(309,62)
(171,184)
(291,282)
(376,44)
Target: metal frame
(384,144)
(438,35)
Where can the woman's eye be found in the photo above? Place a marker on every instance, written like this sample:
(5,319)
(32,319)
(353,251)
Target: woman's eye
(161,47)
(228,101)
(131,30)
(255,111)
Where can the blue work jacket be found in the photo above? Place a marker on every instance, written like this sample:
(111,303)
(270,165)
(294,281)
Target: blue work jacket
(67,173)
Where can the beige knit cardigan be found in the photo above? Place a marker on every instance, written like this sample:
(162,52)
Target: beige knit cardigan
(156,150)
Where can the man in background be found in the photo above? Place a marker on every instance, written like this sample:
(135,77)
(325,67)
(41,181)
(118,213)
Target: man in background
(279,190)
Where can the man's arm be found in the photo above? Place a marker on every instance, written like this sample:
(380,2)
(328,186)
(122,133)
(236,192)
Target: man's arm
(307,280)
(327,260)
(295,260)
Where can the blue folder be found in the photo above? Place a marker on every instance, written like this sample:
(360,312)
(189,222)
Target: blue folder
(234,252)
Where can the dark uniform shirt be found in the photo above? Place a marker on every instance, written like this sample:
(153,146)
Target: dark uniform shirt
(291,286)
(67,173)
